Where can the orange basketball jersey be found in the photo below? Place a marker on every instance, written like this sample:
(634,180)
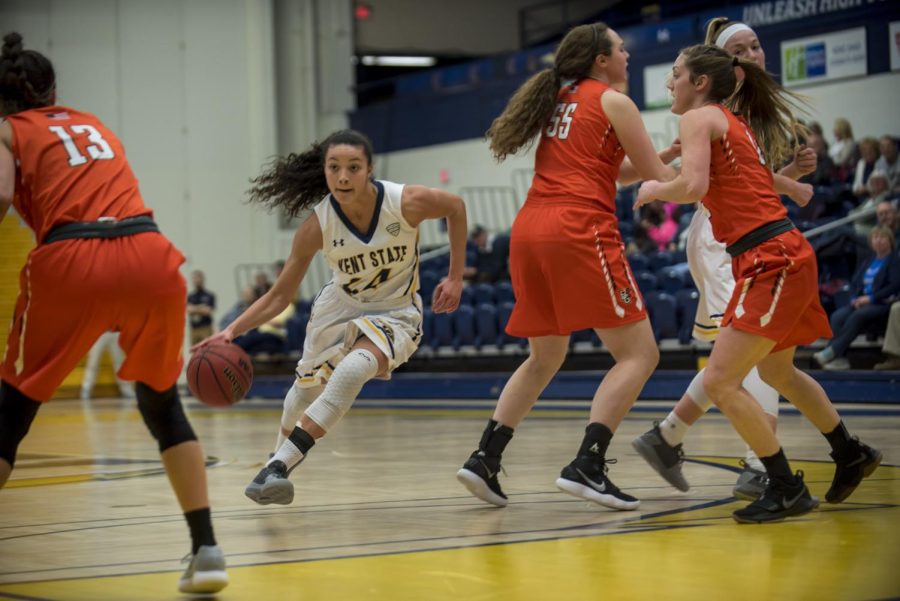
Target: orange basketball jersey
(741,195)
(70,167)
(578,155)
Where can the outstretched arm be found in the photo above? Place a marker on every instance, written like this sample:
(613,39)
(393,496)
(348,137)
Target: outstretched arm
(696,129)
(420,203)
(628,174)
(307,242)
(643,159)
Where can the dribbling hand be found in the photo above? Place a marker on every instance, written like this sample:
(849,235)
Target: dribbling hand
(225,336)
(446,296)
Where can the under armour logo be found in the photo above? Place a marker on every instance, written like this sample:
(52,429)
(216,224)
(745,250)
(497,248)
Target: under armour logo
(337,242)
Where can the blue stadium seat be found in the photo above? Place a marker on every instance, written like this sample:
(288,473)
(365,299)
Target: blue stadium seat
(660,261)
(638,262)
(687,300)
(467,297)
(671,281)
(443,330)
(427,326)
(588,335)
(626,229)
(464,326)
(663,314)
(503,313)
(486,325)
(428,279)
(646,281)
(483,293)
(504,292)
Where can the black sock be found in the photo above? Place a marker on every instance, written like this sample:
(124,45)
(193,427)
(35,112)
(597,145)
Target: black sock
(495,438)
(200,523)
(301,439)
(778,468)
(842,445)
(596,440)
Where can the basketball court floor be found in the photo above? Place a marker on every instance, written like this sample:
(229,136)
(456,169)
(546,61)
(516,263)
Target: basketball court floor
(378,514)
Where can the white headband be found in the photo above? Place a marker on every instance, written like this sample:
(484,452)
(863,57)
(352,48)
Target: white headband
(730,31)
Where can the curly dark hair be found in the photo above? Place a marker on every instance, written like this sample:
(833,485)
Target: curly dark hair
(27,79)
(297,181)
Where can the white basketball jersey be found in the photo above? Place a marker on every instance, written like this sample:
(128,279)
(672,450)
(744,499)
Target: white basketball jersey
(377,265)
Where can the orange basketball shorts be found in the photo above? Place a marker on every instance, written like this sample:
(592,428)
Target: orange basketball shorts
(776,293)
(75,290)
(569,271)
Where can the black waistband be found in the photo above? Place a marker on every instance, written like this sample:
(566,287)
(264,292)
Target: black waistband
(760,235)
(104,228)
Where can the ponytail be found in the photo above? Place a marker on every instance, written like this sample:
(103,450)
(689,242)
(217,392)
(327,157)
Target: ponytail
(533,103)
(27,79)
(297,182)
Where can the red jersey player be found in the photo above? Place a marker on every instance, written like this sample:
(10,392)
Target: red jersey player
(100,265)
(775,304)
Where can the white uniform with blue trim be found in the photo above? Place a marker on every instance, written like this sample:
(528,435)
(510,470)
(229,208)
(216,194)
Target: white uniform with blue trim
(710,268)
(373,291)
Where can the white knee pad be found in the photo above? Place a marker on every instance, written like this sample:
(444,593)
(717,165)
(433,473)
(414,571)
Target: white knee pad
(357,368)
(765,395)
(697,393)
(296,400)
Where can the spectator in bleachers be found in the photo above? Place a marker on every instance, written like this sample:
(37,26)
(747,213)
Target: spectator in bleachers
(201,303)
(659,224)
(822,176)
(490,258)
(247,298)
(888,215)
(891,346)
(261,283)
(843,151)
(640,243)
(875,283)
(878,191)
(270,336)
(868,150)
(889,163)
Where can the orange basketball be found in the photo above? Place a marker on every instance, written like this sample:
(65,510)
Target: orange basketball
(220,374)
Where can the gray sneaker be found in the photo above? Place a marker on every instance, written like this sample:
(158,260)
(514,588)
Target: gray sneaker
(271,485)
(662,457)
(206,572)
(750,484)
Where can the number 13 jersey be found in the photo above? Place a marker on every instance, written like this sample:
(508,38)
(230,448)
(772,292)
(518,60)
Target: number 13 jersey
(70,167)
(379,265)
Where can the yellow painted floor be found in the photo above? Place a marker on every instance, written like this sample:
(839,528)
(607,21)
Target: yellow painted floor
(379,515)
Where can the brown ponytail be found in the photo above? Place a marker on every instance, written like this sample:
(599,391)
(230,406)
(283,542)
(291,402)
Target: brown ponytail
(27,79)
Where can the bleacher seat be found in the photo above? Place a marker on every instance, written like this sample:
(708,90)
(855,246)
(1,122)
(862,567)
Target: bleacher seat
(503,313)
(467,297)
(428,279)
(638,262)
(427,326)
(464,326)
(443,330)
(296,331)
(486,325)
(663,314)
(660,261)
(646,281)
(671,281)
(687,300)
(483,293)
(504,292)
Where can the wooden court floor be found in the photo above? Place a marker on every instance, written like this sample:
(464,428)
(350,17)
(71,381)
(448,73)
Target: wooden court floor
(379,515)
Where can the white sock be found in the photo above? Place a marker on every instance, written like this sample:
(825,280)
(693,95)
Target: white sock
(673,429)
(357,368)
(753,461)
(287,453)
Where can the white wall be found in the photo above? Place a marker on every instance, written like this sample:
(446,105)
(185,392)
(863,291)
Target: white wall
(871,104)
(189,88)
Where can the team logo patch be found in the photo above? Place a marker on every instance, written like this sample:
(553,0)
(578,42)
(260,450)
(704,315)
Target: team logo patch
(393,229)
(626,294)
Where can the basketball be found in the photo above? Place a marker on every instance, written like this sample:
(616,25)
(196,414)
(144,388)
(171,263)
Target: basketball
(220,374)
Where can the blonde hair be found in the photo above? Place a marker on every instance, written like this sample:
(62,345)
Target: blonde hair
(842,128)
(884,231)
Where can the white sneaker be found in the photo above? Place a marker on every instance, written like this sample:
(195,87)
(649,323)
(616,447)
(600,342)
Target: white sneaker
(206,572)
(839,364)
(823,357)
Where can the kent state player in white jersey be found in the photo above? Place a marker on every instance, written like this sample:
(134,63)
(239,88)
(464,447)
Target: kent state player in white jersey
(368,319)
(710,268)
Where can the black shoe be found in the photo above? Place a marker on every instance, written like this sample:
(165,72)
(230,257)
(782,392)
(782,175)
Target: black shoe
(586,478)
(780,500)
(271,485)
(848,473)
(479,475)
(665,459)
